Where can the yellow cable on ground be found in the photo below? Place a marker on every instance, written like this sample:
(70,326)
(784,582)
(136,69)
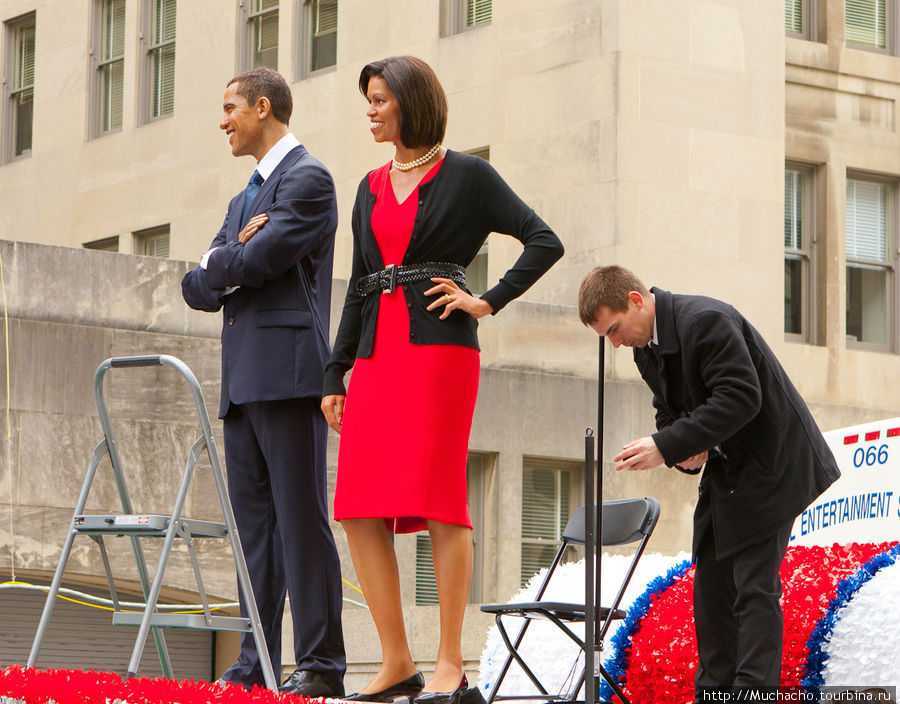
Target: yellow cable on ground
(102,601)
(352,586)
(106,604)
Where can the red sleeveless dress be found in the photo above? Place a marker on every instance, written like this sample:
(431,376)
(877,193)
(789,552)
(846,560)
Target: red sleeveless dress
(408,413)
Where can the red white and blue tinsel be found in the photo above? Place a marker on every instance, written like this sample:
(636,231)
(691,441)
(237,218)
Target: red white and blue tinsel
(838,629)
(621,641)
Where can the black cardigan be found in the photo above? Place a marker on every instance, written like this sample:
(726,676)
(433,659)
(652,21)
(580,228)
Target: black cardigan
(457,209)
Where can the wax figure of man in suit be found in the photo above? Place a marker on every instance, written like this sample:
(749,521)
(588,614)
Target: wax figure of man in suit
(270,267)
(722,399)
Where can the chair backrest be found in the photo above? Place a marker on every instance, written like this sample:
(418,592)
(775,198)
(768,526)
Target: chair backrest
(624,521)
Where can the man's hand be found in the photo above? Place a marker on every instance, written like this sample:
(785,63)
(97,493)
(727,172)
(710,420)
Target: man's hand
(333,408)
(639,454)
(695,462)
(253,226)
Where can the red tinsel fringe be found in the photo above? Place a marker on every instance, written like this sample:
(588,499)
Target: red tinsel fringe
(79,687)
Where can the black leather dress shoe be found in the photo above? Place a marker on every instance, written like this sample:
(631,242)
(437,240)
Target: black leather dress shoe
(408,688)
(443,697)
(311,684)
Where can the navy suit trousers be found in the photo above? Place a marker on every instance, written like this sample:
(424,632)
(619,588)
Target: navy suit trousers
(275,461)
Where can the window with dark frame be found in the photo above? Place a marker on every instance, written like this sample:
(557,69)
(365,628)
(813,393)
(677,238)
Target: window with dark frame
(800,18)
(799,242)
(478,12)
(547,504)
(321,34)
(109,54)
(262,33)
(793,16)
(160,49)
(870,263)
(106,244)
(152,242)
(870,24)
(20,35)
(459,15)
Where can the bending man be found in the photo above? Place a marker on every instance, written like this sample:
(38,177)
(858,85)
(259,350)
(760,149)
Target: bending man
(722,400)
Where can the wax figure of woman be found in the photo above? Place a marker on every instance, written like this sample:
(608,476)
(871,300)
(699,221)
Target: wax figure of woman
(408,329)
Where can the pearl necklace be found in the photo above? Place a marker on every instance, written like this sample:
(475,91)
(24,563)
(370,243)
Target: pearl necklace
(424,159)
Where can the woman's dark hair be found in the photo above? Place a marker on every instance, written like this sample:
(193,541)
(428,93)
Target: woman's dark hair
(264,82)
(423,104)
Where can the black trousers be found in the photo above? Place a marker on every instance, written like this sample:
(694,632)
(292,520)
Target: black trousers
(737,613)
(275,462)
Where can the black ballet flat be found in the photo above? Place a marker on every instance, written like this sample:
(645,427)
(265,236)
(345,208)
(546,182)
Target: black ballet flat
(408,689)
(472,695)
(453,697)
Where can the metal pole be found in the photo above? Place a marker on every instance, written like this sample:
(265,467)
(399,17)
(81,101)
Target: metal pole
(590,684)
(601,379)
(49,604)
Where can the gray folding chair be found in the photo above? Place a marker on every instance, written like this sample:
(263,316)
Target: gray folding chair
(624,522)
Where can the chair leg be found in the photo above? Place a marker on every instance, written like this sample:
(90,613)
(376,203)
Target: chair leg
(492,695)
(615,687)
(518,658)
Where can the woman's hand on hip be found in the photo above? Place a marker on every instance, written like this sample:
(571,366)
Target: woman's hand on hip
(452,297)
(333,408)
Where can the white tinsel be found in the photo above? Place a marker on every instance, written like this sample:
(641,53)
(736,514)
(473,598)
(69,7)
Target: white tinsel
(549,652)
(863,647)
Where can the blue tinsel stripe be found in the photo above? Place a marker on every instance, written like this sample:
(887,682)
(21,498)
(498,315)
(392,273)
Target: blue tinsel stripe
(621,641)
(846,589)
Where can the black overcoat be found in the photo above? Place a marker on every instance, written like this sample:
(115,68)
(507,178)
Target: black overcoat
(717,384)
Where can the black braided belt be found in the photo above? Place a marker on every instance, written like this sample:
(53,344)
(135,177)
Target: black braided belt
(392,276)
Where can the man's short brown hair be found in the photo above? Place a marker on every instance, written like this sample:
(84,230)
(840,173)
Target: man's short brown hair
(264,82)
(423,104)
(607,286)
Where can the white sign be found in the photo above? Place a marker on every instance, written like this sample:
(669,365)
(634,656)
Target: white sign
(864,504)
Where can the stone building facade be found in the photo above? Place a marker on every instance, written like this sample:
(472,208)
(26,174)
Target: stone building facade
(680,138)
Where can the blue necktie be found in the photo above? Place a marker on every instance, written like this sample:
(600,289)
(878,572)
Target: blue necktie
(250,195)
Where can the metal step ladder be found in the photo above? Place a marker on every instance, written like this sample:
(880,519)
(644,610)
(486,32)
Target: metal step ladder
(137,526)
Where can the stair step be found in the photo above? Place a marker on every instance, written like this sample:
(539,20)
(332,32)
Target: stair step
(144,524)
(196,621)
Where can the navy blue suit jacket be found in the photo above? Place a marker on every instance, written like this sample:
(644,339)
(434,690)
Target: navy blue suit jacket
(275,326)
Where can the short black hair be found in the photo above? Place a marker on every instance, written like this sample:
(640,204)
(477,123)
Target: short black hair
(264,82)
(422,101)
